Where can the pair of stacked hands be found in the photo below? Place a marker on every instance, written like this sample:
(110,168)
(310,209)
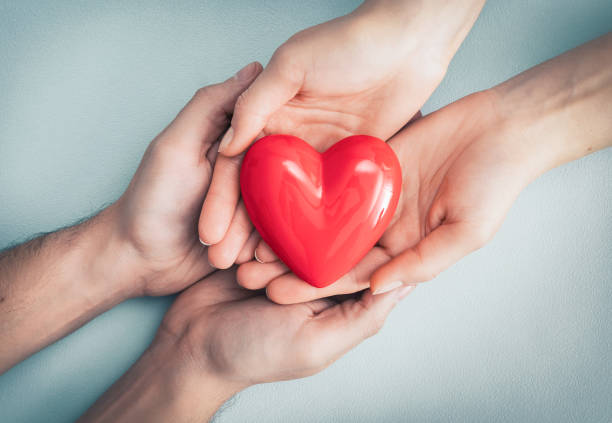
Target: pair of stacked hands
(456,173)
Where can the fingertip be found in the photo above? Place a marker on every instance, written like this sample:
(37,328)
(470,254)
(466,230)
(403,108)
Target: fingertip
(254,275)
(234,143)
(265,254)
(289,289)
(273,296)
(220,257)
(248,72)
(248,249)
(241,275)
(209,234)
(227,139)
(386,278)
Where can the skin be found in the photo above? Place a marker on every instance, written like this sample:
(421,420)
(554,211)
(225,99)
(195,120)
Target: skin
(193,366)
(368,72)
(144,244)
(217,338)
(464,165)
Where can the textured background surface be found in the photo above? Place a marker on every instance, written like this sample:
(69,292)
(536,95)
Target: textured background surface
(519,331)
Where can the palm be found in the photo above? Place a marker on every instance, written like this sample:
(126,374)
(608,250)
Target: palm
(353,85)
(324,84)
(452,175)
(242,336)
(453,178)
(262,333)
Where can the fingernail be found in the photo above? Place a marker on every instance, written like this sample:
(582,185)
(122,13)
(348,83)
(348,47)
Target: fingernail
(386,288)
(247,72)
(226,140)
(257,258)
(203,243)
(405,291)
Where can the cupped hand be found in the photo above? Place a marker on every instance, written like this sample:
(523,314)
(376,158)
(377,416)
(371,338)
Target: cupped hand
(241,338)
(358,74)
(158,213)
(218,338)
(461,173)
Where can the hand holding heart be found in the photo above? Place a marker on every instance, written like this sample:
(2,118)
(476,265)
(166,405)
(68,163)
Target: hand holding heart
(460,173)
(324,84)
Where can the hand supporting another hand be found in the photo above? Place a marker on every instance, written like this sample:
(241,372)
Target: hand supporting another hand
(365,73)
(158,212)
(218,339)
(144,244)
(464,165)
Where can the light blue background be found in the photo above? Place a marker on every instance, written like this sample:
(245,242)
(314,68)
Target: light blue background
(519,331)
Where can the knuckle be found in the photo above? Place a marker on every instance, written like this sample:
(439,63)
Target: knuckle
(373,322)
(309,358)
(429,274)
(209,93)
(288,66)
(241,102)
(481,234)
(427,271)
(202,93)
(376,323)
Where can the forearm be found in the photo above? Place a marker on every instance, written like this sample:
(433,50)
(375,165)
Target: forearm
(55,283)
(162,386)
(561,109)
(444,24)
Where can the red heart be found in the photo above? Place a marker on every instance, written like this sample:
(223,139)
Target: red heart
(320,213)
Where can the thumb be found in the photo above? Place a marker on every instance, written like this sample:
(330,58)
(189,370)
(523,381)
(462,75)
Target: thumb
(436,252)
(338,329)
(204,118)
(275,86)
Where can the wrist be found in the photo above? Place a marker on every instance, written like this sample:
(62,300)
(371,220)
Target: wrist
(560,108)
(529,129)
(163,385)
(435,28)
(487,127)
(114,265)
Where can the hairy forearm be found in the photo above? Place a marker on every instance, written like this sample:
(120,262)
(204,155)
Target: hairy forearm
(164,385)
(561,109)
(53,284)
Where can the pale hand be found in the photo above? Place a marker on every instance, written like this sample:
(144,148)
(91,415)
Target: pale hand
(451,203)
(365,73)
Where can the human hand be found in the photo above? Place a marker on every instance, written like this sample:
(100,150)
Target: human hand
(461,171)
(158,213)
(464,165)
(218,338)
(449,205)
(365,73)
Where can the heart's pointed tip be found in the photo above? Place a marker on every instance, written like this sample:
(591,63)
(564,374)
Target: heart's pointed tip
(319,284)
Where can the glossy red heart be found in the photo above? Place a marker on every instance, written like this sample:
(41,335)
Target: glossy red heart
(320,213)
